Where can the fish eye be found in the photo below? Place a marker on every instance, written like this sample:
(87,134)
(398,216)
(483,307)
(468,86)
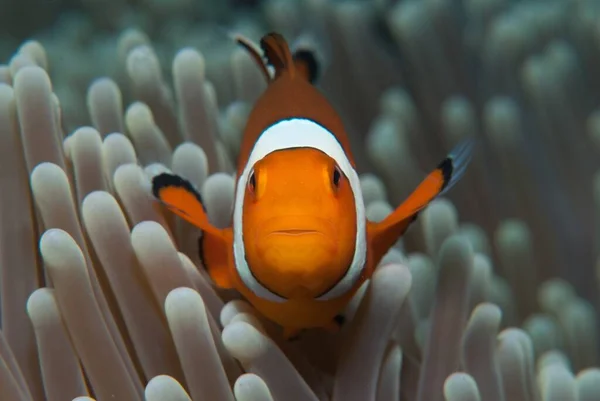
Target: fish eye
(337,176)
(252,181)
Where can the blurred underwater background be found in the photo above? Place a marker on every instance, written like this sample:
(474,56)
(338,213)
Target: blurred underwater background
(491,295)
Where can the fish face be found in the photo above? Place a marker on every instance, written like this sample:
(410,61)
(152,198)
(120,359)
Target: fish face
(299,224)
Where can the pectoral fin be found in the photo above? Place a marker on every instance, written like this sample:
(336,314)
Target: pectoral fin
(179,196)
(384,234)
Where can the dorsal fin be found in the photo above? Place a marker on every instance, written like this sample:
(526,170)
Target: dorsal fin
(255,53)
(276,53)
(306,64)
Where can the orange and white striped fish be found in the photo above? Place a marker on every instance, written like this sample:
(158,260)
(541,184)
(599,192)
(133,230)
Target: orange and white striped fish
(299,245)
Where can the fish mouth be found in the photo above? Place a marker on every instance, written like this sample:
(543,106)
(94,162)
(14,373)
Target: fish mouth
(294,226)
(295,232)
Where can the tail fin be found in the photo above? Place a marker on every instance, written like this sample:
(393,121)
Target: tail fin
(276,51)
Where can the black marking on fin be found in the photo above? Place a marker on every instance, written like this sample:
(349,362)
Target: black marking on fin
(410,223)
(455,165)
(339,320)
(165,180)
(308,57)
(447,168)
(201,250)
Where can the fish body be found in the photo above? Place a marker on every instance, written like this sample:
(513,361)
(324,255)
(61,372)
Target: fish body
(299,245)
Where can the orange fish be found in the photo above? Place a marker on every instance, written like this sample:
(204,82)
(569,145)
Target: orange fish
(300,244)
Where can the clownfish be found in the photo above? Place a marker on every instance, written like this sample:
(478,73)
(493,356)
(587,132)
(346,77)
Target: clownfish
(299,245)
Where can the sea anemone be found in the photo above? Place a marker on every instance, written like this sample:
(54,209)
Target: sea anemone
(491,294)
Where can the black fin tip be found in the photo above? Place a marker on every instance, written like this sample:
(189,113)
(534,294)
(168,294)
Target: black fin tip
(165,180)
(339,320)
(309,58)
(446,167)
